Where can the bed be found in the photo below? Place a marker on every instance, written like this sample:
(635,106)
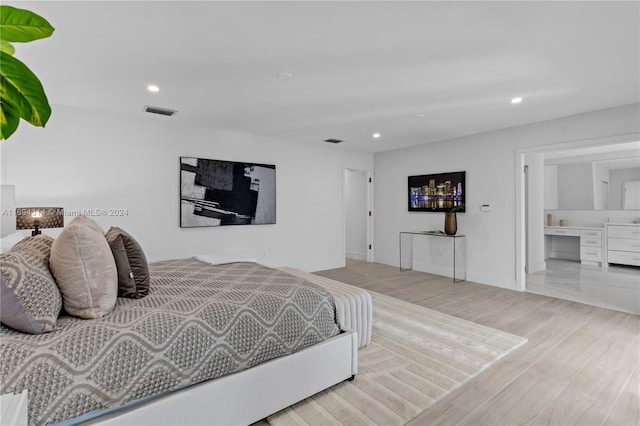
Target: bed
(209,344)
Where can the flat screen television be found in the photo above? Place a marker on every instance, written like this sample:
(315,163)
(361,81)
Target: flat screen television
(437,192)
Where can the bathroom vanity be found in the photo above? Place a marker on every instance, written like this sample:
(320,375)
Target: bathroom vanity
(586,244)
(616,243)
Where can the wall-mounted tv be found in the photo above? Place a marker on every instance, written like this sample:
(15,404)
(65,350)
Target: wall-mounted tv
(437,192)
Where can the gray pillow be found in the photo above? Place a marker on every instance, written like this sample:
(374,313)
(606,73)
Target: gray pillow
(126,283)
(132,266)
(30,298)
(84,268)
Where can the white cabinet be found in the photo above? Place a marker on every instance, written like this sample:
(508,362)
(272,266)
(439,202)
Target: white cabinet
(590,246)
(589,240)
(623,244)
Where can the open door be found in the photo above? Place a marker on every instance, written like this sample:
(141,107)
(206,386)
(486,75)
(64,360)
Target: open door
(358,214)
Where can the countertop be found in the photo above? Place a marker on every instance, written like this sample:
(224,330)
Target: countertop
(575,227)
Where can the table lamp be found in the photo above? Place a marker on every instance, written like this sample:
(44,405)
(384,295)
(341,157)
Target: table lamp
(39,217)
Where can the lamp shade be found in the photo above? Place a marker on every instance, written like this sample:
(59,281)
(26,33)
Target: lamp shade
(39,217)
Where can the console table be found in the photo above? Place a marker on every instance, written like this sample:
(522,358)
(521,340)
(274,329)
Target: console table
(455,239)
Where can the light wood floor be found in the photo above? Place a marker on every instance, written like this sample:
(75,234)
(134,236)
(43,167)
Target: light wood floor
(581,365)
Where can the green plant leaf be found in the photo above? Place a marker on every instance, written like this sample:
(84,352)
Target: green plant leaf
(20,88)
(22,25)
(7,47)
(456,209)
(9,119)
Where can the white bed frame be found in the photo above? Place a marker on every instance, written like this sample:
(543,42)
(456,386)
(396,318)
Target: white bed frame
(250,395)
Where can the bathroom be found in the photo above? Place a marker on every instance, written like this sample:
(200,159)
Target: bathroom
(584,243)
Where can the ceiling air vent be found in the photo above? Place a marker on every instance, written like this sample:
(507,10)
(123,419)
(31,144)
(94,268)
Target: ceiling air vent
(161,111)
(333,140)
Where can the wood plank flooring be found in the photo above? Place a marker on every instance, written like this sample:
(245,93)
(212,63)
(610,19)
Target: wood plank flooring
(581,365)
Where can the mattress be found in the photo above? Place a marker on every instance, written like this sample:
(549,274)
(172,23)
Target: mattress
(354,308)
(199,322)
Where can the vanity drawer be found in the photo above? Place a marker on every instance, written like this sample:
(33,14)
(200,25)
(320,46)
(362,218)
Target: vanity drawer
(591,253)
(556,231)
(588,233)
(590,242)
(624,257)
(621,244)
(628,232)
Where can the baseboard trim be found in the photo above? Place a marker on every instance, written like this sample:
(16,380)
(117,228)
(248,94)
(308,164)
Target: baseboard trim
(491,280)
(356,255)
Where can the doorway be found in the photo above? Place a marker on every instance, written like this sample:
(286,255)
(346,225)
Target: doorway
(358,214)
(605,144)
(549,259)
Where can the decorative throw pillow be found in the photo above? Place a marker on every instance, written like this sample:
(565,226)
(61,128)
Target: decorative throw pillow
(126,283)
(30,298)
(133,270)
(88,222)
(83,266)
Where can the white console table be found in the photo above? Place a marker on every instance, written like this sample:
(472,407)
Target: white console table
(590,241)
(455,239)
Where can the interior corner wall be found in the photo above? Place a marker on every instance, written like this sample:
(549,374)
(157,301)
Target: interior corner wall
(90,161)
(489,160)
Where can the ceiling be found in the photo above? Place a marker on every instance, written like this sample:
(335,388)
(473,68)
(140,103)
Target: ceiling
(416,72)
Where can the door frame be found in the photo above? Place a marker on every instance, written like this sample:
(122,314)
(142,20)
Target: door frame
(369,237)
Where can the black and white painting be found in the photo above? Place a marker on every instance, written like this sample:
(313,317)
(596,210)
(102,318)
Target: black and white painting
(217,193)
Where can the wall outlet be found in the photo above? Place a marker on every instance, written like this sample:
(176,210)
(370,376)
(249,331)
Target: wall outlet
(265,253)
(441,251)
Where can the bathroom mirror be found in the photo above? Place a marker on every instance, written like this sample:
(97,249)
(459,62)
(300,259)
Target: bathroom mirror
(593,181)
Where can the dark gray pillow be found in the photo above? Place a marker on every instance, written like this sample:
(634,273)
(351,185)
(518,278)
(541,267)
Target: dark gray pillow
(126,283)
(132,266)
(31,301)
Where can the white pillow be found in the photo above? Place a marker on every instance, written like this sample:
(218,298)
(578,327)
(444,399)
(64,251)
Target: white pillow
(85,271)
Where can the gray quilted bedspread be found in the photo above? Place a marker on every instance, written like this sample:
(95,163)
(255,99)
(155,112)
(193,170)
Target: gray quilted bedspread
(198,322)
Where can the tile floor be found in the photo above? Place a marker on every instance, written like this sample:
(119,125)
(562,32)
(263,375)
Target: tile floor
(616,287)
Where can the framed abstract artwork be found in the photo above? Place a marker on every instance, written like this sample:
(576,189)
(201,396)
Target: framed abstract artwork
(219,193)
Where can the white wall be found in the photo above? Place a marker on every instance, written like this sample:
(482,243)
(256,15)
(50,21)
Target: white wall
(356,214)
(489,160)
(7,206)
(90,160)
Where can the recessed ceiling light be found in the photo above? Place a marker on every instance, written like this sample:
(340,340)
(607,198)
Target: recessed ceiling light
(376,135)
(284,76)
(153,88)
(516,100)
(418,115)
